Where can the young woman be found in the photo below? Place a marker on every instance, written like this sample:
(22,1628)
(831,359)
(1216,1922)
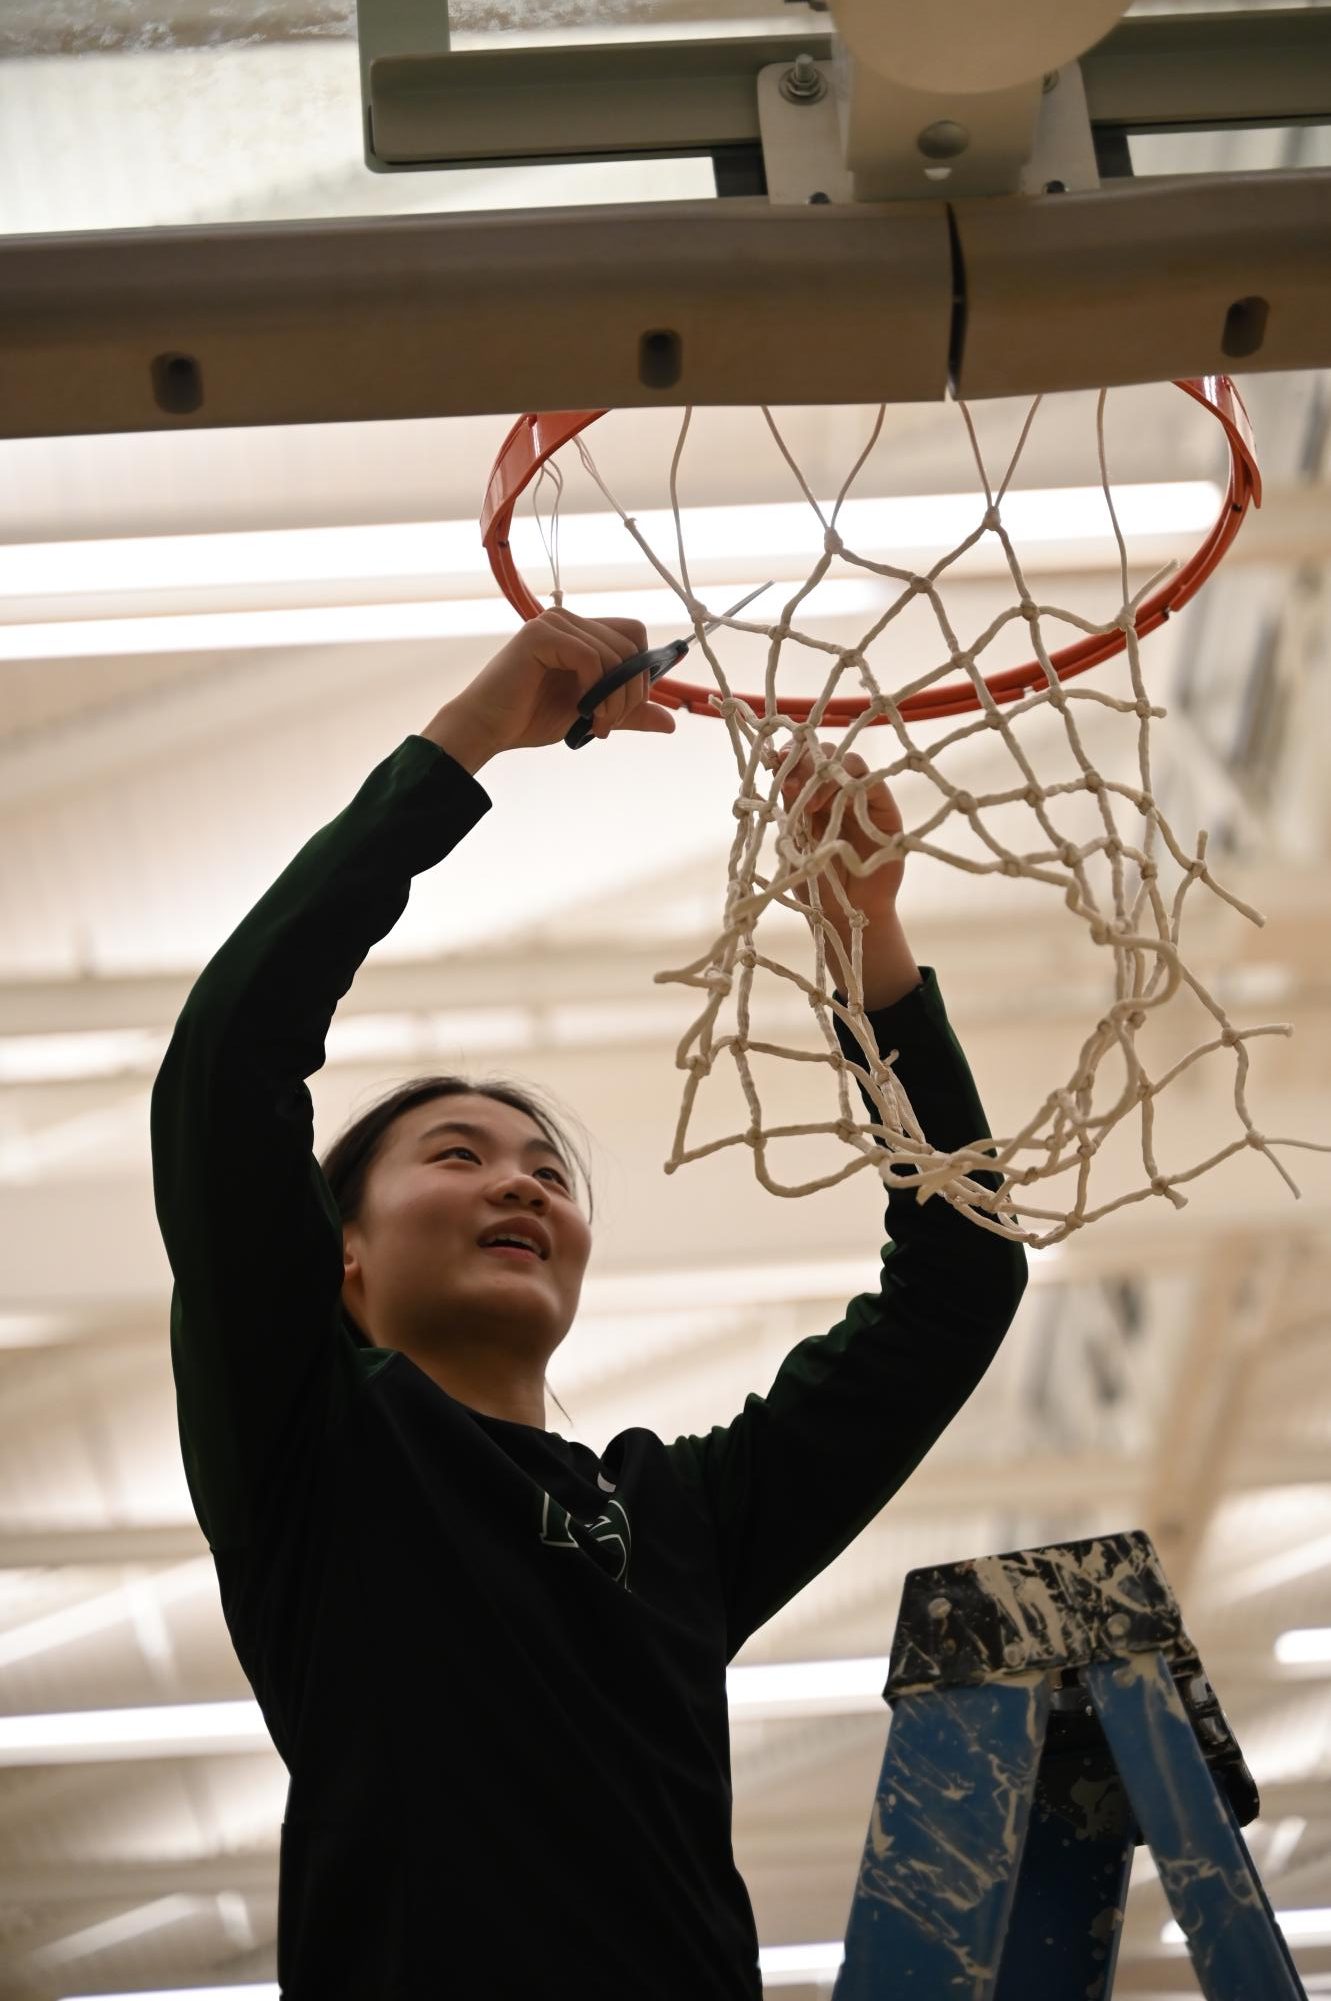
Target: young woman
(493,1661)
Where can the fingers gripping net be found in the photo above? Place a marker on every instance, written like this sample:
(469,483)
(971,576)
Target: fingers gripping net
(1110,875)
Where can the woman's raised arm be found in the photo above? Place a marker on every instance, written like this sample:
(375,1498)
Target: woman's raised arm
(250,1227)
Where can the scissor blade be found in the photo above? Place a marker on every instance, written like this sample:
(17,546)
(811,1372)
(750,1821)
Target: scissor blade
(712,623)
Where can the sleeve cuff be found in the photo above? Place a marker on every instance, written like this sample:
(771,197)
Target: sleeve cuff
(446,767)
(918,1015)
(931,1065)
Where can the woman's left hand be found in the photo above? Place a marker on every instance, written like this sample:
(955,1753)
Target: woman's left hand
(888,966)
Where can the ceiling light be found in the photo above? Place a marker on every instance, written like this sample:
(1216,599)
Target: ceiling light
(264,1990)
(490,617)
(779,1966)
(78,1054)
(441,549)
(1314,1924)
(807,1688)
(171,1730)
(796,1965)
(67,600)
(1304,1644)
(796,1688)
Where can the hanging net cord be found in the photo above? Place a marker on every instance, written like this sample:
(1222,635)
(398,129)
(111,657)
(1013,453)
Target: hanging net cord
(773,854)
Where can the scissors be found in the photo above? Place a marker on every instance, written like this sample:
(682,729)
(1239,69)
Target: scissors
(656,661)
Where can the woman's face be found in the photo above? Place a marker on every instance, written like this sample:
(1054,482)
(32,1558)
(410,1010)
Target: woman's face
(452,1176)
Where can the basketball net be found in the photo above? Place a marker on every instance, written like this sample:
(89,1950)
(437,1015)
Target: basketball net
(1127,882)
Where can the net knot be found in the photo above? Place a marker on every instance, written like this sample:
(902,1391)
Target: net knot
(832,543)
(915,760)
(1033,795)
(1148,871)
(1257,1140)
(1230,1038)
(1093,782)
(991,520)
(964,802)
(1127,619)
(1029,610)
(1070,854)
(1159,1185)
(1009,866)
(1137,1019)
(918,585)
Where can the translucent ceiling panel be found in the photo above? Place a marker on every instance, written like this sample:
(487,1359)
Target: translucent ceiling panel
(121,114)
(70,27)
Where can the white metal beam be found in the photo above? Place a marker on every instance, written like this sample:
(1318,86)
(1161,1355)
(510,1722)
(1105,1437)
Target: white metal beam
(940,1490)
(565,963)
(1233,1316)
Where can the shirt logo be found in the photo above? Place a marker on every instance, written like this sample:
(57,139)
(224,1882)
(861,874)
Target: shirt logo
(607,1540)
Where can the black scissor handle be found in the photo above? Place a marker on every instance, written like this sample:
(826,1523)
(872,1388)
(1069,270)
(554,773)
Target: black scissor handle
(657,661)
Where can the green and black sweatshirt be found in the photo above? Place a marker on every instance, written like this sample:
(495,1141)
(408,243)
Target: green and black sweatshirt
(492,1660)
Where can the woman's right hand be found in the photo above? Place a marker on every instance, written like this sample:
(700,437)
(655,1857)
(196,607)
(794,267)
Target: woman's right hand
(529,693)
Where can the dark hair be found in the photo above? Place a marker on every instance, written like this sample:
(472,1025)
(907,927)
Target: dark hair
(347,1163)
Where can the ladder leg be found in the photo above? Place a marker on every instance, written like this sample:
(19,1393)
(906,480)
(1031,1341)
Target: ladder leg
(1237,1949)
(939,1872)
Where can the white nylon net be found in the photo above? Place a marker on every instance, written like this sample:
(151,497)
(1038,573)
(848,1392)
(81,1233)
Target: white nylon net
(1122,875)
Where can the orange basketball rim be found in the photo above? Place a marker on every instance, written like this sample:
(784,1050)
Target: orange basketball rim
(537,436)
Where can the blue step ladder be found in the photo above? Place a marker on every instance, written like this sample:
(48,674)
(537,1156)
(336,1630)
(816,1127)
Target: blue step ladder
(1049,1713)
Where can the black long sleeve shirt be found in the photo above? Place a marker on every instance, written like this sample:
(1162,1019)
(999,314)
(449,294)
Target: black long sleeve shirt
(492,1660)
